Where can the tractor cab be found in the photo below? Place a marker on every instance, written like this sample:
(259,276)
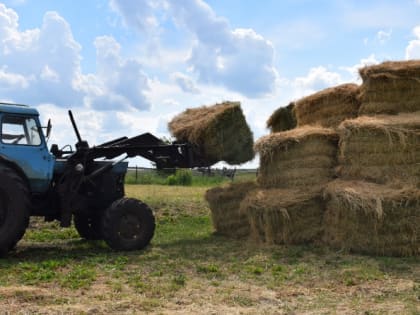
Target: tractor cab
(23,145)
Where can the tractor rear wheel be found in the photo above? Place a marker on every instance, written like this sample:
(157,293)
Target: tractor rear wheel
(128,224)
(14,208)
(88,227)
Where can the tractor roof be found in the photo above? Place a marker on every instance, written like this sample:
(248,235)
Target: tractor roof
(17,109)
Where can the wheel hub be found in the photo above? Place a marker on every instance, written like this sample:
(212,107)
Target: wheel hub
(130,227)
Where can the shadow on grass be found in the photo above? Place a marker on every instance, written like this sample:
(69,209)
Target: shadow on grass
(222,250)
(190,240)
(72,250)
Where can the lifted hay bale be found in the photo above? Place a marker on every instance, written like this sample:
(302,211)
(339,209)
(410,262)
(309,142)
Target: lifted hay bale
(329,107)
(372,219)
(381,149)
(219,132)
(282,119)
(302,157)
(391,87)
(224,205)
(284,216)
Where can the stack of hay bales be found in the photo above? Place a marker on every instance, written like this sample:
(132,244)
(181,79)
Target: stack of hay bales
(390,88)
(219,133)
(374,208)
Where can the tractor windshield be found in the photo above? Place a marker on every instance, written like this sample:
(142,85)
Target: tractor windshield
(20,130)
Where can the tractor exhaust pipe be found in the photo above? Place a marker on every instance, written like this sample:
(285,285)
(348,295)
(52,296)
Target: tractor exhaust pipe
(79,139)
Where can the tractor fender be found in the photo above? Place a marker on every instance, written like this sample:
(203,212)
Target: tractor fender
(4,160)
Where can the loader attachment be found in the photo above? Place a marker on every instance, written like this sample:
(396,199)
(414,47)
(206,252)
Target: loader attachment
(164,155)
(146,145)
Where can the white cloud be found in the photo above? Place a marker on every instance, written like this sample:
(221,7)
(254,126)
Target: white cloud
(354,70)
(42,65)
(11,80)
(220,55)
(49,74)
(383,36)
(37,56)
(185,83)
(139,13)
(239,59)
(120,83)
(317,79)
(413,49)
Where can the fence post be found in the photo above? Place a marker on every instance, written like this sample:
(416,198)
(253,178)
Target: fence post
(136,173)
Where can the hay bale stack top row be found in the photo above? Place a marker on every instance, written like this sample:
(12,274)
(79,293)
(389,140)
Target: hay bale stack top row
(390,88)
(327,108)
(282,119)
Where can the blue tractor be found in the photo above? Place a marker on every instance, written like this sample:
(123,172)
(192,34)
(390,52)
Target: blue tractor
(84,185)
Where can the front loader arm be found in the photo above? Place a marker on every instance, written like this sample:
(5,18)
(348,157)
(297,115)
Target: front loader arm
(164,155)
(146,145)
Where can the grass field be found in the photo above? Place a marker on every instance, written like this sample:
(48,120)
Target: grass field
(190,270)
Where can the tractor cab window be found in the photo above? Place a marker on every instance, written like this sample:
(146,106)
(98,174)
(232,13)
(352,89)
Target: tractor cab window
(20,130)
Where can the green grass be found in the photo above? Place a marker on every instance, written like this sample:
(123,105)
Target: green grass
(188,267)
(152,177)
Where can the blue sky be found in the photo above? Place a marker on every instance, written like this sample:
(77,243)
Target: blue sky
(127,67)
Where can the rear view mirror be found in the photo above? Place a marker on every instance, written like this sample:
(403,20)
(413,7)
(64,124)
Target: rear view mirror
(49,126)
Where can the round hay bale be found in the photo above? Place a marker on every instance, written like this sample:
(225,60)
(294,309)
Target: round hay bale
(391,87)
(284,216)
(381,149)
(302,157)
(282,119)
(224,204)
(219,133)
(372,219)
(329,107)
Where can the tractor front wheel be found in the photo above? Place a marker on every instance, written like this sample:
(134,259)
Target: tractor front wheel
(128,224)
(14,208)
(88,227)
